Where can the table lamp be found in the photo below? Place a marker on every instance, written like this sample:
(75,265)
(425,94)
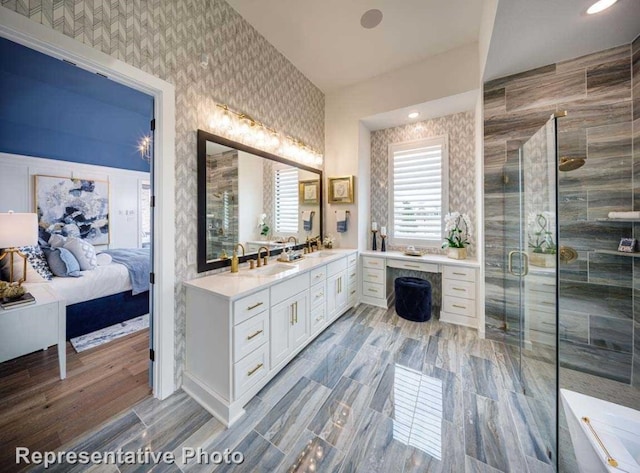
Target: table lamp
(17,229)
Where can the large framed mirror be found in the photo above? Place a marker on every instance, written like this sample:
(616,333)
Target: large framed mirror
(252,197)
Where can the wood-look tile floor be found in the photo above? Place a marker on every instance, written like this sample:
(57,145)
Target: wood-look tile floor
(42,412)
(373,393)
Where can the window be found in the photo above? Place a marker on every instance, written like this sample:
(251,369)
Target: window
(286,200)
(418,183)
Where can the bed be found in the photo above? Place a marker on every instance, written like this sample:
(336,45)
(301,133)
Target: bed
(105,295)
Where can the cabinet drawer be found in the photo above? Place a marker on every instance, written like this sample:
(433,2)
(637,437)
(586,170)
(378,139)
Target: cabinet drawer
(353,272)
(460,306)
(373,290)
(250,370)
(459,273)
(353,259)
(371,262)
(249,306)
(376,276)
(318,318)
(318,295)
(336,266)
(464,289)
(353,279)
(414,265)
(250,334)
(318,274)
(289,288)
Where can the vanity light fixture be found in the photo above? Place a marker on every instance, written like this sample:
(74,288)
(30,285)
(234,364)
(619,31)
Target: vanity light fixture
(251,132)
(599,6)
(414,115)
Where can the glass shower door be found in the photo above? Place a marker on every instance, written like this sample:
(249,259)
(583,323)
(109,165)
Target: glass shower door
(534,264)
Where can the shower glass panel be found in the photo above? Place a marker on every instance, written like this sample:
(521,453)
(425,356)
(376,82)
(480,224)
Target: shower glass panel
(532,266)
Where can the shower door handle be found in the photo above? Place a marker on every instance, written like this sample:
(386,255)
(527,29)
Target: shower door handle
(525,266)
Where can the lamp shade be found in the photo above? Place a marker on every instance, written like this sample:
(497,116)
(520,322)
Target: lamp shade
(18,230)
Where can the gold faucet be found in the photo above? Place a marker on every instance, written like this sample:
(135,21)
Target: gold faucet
(266,258)
(234,258)
(295,240)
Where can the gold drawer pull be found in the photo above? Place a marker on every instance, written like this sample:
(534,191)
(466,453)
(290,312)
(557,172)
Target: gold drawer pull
(460,306)
(373,276)
(353,292)
(318,276)
(318,319)
(458,289)
(372,290)
(459,274)
(412,266)
(254,335)
(610,460)
(257,304)
(320,294)
(250,372)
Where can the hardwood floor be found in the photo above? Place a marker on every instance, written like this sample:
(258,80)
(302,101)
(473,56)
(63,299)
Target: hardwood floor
(40,411)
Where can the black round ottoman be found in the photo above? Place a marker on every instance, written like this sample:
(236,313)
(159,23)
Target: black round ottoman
(413,298)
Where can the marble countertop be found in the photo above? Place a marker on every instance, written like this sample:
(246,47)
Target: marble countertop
(246,281)
(439,259)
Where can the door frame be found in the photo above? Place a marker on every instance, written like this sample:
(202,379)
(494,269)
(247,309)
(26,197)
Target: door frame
(26,32)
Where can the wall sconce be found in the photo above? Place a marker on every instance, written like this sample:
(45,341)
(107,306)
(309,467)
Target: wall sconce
(251,132)
(144,147)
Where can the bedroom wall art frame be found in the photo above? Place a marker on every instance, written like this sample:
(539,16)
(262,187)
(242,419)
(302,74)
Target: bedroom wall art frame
(72,206)
(341,190)
(309,192)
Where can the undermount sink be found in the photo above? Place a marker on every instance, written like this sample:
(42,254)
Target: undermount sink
(320,254)
(270,270)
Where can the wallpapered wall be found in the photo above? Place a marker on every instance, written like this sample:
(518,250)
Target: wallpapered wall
(460,129)
(166,38)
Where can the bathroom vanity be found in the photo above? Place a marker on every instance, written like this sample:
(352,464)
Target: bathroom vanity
(243,328)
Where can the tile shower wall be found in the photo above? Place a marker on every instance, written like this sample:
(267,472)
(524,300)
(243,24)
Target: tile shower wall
(222,203)
(596,304)
(460,129)
(166,38)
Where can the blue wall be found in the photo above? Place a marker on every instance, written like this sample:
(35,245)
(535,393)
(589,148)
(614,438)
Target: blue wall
(51,109)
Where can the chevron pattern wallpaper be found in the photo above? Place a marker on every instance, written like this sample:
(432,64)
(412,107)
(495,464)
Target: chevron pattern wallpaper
(166,38)
(462,186)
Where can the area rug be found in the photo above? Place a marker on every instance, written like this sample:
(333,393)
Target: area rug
(105,335)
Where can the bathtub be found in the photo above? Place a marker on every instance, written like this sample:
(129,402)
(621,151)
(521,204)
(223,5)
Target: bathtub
(605,436)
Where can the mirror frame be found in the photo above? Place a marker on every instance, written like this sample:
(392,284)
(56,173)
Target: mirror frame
(203,137)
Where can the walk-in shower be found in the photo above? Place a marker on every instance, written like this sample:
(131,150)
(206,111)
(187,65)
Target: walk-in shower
(569,310)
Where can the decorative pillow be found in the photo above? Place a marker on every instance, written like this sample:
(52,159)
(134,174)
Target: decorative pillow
(37,267)
(57,241)
(84,252)
(104,259)
(62,262)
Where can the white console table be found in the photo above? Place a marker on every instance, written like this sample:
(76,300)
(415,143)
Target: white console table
(459,282)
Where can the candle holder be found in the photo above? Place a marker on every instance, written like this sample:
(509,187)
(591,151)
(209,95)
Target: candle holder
(383,246)
(374,241)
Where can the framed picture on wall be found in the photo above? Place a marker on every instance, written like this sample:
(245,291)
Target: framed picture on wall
(309,192)
(341,190)
(72,207)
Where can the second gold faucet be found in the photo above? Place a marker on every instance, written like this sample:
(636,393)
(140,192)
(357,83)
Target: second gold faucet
(266,258)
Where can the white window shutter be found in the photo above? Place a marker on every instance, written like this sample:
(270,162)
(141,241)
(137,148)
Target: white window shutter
(286,200)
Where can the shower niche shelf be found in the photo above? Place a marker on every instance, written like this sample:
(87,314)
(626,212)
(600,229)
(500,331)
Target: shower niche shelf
(617,253)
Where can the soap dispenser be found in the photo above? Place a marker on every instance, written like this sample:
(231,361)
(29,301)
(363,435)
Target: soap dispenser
(234,262)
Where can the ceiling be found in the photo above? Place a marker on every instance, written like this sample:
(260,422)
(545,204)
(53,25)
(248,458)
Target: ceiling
(325,41)
(529,34)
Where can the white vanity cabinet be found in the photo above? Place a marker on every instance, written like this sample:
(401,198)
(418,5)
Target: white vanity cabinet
(243,328)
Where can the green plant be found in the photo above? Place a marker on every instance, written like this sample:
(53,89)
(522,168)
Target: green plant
(458,228)
(541,233)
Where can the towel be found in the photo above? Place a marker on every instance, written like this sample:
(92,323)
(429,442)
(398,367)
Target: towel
(624,214)
(341,217)
(307,220)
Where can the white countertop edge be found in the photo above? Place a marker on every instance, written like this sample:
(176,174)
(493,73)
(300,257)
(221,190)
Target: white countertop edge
(233,286)
(428,258)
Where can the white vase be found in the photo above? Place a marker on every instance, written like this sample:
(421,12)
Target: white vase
(457,253)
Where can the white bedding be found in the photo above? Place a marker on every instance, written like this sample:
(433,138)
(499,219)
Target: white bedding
(100,282)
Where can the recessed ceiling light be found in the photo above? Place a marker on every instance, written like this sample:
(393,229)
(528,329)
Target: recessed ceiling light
(600,5)
(371,18)
(414,115)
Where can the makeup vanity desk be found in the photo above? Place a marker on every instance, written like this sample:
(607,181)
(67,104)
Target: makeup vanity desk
(459,282)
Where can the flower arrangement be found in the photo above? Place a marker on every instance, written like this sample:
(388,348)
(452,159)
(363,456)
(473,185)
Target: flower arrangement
(540,233)
(11,291)
(264,228)
(328,241)
(458,228)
